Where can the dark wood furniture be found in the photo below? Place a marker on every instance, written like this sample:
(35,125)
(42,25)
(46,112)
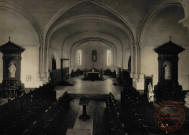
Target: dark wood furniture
(93,75)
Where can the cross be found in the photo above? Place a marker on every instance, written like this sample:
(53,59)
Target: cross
(170,38)
(9,38)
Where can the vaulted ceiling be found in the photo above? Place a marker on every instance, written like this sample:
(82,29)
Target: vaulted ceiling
(63,23)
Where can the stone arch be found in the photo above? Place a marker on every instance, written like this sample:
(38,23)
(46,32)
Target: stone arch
(153,13)
(51,23)
(59,21)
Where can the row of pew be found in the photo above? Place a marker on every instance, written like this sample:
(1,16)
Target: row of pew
(46,125)
(114,124)
(137,112)
(20,113)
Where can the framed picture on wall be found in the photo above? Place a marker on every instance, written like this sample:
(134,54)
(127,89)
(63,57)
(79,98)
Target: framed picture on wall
(28,78)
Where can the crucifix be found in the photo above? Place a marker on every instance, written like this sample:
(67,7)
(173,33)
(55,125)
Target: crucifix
(9,38)
(170,38)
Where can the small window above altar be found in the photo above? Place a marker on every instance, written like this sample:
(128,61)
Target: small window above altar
(109,58)
(79,57)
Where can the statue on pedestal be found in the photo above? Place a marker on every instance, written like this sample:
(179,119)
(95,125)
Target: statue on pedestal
(150,93)
(168,87)
(12,70)
(167,75)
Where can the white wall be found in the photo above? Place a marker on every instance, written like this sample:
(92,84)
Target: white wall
(165,24)
(30,66)
(22,33)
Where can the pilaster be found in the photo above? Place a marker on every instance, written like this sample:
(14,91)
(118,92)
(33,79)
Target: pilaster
(43,61)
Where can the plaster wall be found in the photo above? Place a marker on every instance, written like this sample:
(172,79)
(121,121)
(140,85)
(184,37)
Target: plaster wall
(23,34)
(164,25)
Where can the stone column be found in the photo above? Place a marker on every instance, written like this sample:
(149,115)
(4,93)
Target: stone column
(42,62)
(132,62)
(135,58)
(46,63)
(138,78)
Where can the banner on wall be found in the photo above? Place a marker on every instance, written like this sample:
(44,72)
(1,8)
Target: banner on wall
(94,55)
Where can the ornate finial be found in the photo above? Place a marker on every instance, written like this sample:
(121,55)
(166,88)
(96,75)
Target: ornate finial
(9,38)
(170,38)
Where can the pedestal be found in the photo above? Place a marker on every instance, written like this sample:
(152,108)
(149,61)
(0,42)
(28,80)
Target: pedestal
(11,85)
(168,91)
(84,116)
(168,87)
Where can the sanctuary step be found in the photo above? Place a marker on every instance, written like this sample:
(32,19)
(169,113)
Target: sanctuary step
(89,96)
(78,132)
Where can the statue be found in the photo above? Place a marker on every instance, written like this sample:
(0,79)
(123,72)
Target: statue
(93,70)
(12,70)
(150,93)
(167,75)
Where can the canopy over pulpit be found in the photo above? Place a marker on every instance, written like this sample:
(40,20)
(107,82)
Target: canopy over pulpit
(168,87)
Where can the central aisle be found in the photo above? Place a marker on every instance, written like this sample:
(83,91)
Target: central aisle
(96,106)
(93,126)
(90,87)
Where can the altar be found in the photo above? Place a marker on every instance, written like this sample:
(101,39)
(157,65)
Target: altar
(93,75)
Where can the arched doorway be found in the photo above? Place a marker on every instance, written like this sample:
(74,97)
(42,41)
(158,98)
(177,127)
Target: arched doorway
(129,65)
(53,64)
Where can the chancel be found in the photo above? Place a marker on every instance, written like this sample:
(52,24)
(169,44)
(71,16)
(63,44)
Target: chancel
(94,67)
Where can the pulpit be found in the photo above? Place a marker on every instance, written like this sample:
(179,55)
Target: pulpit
(11,83)
(168,87)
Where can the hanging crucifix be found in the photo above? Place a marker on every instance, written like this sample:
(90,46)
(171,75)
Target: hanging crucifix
(94,55)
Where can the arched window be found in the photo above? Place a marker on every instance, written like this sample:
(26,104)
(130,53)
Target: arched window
(109,58)
(79,57)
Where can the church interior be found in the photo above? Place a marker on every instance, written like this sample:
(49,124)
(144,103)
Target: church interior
(94,67)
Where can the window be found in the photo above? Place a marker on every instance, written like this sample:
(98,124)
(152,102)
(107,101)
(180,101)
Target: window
(109,58)
(79,57)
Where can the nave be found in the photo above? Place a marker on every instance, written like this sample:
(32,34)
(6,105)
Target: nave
(55,55)
(40,112)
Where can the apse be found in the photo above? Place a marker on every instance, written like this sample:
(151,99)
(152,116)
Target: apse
(86,49)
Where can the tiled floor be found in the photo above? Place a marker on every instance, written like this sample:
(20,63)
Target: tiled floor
(90,87)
